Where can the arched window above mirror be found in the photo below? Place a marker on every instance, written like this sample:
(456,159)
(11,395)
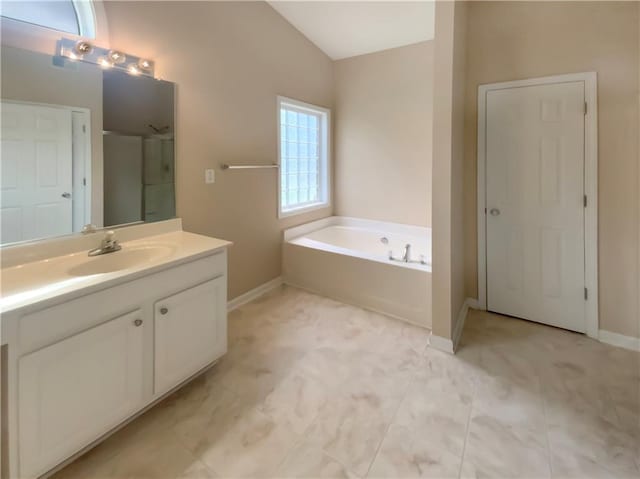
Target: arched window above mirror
(69,16)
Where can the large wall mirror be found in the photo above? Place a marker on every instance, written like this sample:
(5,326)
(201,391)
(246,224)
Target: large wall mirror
(81,145)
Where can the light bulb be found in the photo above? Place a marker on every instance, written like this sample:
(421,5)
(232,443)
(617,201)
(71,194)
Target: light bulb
(134,70)
(144,64)
(104,63)
(83,48)
(116,57)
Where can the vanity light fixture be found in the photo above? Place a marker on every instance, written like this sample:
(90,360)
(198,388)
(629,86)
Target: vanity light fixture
(106,58)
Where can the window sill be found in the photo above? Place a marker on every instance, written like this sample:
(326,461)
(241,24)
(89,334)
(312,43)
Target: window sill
(303,209)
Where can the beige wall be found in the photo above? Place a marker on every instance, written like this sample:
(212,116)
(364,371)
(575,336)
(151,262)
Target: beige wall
(457,162)
(383,127)
(515,40)
(448,151)
(30,76)
(229,61)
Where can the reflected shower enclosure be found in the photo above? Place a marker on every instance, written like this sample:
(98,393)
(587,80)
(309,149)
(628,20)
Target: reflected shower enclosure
(138,144)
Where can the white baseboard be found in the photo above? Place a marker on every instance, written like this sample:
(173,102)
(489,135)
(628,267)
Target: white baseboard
(450,345)
(441,344)
(619,340)
(254,293)
(473,303)
(614,339)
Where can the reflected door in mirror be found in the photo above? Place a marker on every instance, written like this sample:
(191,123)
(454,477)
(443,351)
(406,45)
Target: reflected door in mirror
(36,170)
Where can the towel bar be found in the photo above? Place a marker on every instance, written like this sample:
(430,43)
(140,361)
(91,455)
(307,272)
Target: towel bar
(224,166)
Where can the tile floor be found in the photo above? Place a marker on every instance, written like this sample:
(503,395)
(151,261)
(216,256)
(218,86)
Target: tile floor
(315,388)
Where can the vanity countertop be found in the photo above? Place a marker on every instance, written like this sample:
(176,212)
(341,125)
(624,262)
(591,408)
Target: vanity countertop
(64,277)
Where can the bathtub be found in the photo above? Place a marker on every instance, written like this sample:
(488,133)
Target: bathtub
(348,259)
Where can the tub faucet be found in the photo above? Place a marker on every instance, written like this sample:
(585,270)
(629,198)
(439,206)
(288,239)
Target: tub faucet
(109,244)
(406,254)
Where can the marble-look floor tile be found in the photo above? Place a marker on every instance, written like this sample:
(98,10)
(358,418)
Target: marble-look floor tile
(258,374)
(352,426)
(297,400)
(435,418)
(408,453)
(578,466)
(495,448)
(567,402)
(512,403)
(313,388)
(450,376)
(306,461)
(248,444)
(158,457)
(593,438)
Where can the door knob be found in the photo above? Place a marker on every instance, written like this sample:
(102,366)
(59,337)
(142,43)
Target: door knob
(494,212)
(137,322)
(164,310)
(66,195)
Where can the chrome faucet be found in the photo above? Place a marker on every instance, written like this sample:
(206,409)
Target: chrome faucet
(406,254)
(109,245)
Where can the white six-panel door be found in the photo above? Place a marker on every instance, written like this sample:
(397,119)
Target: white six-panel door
(534,198)
(36,167)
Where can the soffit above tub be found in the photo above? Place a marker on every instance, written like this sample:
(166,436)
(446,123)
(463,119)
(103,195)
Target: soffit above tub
(351,28)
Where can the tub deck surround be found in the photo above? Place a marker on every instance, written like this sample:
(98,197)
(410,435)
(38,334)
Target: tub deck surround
(345,259)
(64,277)
(360,238)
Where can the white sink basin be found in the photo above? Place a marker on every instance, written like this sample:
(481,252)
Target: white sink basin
(124,259)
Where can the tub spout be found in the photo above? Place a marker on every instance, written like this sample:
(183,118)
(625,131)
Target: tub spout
(406,254)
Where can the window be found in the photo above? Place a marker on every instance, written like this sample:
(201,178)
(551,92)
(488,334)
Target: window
(68,16)
(303,157)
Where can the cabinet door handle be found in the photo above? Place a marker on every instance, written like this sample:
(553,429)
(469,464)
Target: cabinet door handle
(164,310)
(137,322)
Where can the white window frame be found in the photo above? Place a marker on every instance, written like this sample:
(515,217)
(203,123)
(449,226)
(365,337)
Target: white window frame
(324,155)
(92,21)
(85,18)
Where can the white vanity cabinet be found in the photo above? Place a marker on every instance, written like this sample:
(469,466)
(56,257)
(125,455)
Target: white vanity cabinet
(76,389)
(187,334)
(80,367)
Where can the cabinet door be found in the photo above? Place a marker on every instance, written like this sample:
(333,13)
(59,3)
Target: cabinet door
(72,392)
(190,332)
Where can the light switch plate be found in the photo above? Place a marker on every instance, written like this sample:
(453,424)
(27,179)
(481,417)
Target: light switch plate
(209,176)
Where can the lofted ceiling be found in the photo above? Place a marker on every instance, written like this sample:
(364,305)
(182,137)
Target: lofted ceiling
(349,28)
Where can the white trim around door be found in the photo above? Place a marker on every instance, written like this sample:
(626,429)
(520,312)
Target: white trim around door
(590,187)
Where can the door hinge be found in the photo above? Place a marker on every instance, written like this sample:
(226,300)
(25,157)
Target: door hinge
(586,294)
(84,182)
(585,201)
(585,107)
(84,128)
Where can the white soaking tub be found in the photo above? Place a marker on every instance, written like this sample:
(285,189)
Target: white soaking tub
(347,259)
